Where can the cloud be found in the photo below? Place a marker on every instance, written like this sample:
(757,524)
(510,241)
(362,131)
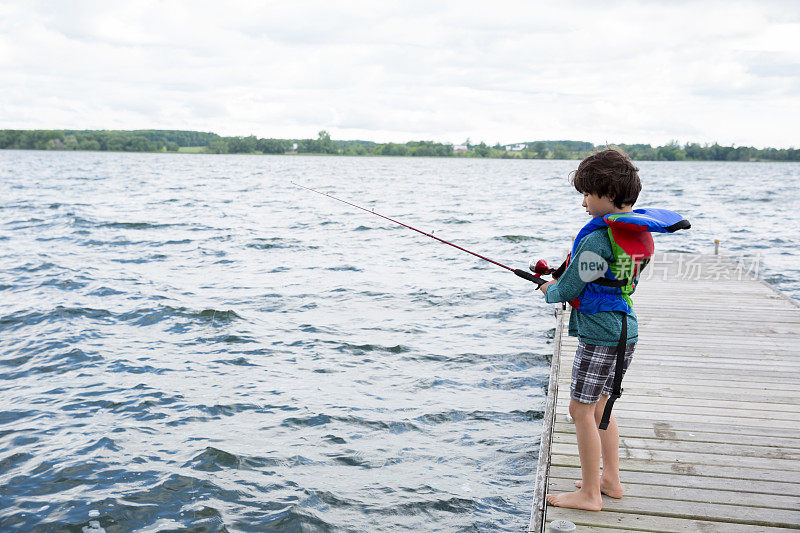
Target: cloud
(620,72)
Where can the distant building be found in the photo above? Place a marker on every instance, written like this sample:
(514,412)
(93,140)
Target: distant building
(516,147)
(460,148)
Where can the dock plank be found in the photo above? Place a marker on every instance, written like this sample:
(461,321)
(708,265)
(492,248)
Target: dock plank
(673,434)
(662,480)
(705,457)
(662,508)
(688,469)
(690,494)
(743,450)
(650,523)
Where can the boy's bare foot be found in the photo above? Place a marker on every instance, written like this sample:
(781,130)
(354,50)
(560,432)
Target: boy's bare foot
(575,500)
(609,488)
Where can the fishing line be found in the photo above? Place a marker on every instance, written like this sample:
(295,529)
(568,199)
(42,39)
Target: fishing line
(518,271)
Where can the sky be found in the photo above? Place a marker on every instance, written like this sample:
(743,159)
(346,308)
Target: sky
(603,72)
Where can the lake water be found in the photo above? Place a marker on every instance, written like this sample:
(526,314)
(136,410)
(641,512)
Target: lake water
(192,343)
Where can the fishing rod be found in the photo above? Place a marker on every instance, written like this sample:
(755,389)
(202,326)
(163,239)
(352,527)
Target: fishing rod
(535,278)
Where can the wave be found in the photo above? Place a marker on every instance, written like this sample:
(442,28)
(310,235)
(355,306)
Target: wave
(133,225)
(105,291)
(392,426)
(124,225)
(103,443)
(361,348)
(452,505)
(19,319)
(455,415)
(35,267)
(345,268)
(116,242)
(214,459)
(520,238)
(453,220)
(308,421)
(239,361)
(63,284)
(228,339)
(513,383)
(429,383)
(149,316)
(268,243)
(59,362)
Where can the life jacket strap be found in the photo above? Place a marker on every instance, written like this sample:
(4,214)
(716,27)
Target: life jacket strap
(616,391)
(560,270)
(605,282)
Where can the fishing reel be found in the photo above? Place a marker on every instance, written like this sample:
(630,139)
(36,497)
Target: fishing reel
(541,268)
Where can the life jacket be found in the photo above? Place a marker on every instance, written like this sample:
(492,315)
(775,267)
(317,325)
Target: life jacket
(632,247)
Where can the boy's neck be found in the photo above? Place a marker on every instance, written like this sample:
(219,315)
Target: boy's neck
(623,209)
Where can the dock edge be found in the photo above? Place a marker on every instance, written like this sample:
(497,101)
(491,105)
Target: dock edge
(537,522)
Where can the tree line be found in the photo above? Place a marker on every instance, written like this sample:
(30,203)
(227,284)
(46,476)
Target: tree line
(206,142)
(104,140)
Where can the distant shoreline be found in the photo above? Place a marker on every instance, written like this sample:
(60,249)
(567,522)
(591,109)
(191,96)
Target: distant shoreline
(295,154)
(194,142)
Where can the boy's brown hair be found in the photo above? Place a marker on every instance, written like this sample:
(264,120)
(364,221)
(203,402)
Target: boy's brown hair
(609,172)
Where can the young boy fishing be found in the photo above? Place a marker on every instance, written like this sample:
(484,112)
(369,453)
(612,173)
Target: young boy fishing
(601,273)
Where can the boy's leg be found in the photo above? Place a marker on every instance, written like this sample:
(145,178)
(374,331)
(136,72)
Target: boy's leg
(588,497)
(609,446)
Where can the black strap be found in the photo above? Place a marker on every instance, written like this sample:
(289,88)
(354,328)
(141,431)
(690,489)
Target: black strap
(683,224)
(605,282)
(617,388)
(560,270)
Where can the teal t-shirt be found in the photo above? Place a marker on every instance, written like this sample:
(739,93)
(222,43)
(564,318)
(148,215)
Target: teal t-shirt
(601,328)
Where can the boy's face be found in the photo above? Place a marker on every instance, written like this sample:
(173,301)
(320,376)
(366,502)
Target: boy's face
(598,206)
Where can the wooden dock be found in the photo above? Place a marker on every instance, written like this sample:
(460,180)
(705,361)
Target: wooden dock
(709,419)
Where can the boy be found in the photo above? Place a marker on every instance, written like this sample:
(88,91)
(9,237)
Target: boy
(610,184)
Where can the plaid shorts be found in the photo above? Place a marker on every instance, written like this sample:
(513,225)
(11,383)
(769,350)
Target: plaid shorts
(593,371)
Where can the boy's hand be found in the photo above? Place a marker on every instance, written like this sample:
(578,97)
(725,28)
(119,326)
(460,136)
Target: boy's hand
(543,287)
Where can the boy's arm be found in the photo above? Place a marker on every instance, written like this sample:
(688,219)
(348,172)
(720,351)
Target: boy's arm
(570,285)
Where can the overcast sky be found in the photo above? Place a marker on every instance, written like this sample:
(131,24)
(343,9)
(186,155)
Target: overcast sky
(397,71)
